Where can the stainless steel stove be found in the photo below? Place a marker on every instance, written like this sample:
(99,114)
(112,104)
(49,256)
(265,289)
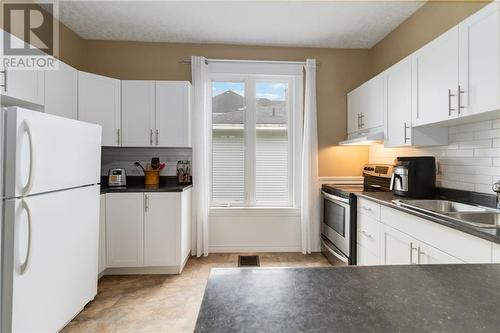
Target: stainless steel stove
(338,212)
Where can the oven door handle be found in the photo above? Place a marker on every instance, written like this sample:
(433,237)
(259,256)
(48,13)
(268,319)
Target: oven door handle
(334,198)
(336,253)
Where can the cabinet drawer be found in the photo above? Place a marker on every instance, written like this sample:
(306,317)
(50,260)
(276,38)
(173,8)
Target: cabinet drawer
(369,208)
(459,244)
(369,233)
(366,257)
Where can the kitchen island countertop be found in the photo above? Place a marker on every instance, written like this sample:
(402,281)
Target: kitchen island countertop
(438,298)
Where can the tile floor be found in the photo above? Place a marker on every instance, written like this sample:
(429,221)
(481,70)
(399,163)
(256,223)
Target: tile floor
(165,303)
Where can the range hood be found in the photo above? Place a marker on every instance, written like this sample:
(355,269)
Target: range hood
(363,139)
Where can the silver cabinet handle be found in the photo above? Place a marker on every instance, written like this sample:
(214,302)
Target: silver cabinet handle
(368,209)
(366,234)
(450,109)
(118,136)
(359,123)
(146,202)
(406,135)
(4,85)
(460,92)
(362,120)
(411,252)
(420,252)
(157,136)
(150,137)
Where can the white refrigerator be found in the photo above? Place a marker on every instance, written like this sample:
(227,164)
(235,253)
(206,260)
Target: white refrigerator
(50,222)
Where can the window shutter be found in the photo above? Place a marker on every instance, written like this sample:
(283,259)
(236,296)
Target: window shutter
(271,173)
(228,166)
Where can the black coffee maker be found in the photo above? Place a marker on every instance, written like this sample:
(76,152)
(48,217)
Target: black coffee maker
(414,177)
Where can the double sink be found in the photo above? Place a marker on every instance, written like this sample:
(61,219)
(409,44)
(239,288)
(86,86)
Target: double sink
(474,215)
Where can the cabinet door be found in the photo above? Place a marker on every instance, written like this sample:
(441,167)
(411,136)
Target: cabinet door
(365,257)
(496,253)
(138,113)
(436,79)
(161,229)
(99,103)
(102,235)
(398,112)
(397,248)
(427,254)
(353,111)
(479,69)
(173,113)
(372,113)
(124,229)
(61,91)
(21,85)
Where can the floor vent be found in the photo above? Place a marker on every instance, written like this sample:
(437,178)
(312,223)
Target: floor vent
(248,261)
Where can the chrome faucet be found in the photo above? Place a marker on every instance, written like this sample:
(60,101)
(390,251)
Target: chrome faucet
(496,188)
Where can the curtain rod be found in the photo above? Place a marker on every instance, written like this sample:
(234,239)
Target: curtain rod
(188,61)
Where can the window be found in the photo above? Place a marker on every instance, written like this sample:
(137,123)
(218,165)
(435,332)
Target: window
(253,144)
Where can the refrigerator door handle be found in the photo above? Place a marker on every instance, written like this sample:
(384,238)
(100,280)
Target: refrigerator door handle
(29,184)
(26,263)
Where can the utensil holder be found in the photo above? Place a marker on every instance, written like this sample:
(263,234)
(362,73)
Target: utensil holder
(152,177)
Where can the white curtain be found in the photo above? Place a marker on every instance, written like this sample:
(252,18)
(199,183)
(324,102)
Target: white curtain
(310,201)
(199,70)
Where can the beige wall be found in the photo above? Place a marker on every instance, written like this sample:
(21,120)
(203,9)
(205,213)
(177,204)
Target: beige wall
(339,72)
(430,21)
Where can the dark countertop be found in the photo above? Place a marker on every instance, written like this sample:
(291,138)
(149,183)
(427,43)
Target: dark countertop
(136,184)
(423,298)
(385,198)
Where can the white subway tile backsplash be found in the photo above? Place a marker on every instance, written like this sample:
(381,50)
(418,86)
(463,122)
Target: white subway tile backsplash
(490,152)
(470,162)
(473,127)
(475,144)
(487,134)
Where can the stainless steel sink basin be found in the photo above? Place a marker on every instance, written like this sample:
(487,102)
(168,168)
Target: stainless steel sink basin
(470,214)
(483,220)
(443,206)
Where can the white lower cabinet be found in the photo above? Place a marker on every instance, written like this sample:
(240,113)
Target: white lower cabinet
(148,231)
(102,235)
(124,228)
(396,248)
(160,228)
(399,238)
(496,253)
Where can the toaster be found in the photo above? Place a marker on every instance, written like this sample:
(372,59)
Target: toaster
(117,177)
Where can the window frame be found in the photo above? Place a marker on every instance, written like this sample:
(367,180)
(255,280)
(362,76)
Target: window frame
(295,118)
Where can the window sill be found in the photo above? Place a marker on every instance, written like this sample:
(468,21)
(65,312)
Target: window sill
(254,211)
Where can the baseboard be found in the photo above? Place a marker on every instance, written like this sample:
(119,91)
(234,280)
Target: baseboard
(252,248)
(142,270)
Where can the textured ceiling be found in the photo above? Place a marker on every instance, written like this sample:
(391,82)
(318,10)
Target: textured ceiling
(334,24)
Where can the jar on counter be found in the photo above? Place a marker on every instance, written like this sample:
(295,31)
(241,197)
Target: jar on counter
(184,172)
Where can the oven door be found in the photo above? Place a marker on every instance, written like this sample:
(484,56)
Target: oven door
(335,221)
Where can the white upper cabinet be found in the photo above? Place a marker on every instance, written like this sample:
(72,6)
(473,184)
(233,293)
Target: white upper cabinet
(436,79)
(479,71)
(61,91)
(99,103)
(399,131)
(138,113)
(398,104)
(373,106)
(21,87)
(365,106)
(173,113)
